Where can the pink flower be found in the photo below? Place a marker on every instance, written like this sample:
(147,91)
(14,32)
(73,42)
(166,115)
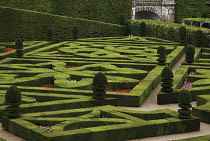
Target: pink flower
(48,128)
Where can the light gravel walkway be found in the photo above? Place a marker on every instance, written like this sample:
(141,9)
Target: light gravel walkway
(149,105)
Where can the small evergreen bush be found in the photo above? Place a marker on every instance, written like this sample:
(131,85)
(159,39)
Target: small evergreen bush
(99,86)
(19,48)
(143,29)
(161,51)
(184,99)
(49,34)
(182,35)
(189,53)
(19,44)
(13,100)
(199,38)
(122,20)
(167,79)
(204,15)
(75,32)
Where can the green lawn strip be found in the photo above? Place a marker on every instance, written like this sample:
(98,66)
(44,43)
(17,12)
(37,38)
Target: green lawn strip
(126,124)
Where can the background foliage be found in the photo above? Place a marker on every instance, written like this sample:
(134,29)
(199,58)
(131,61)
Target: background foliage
(100,10)
(30,25)
(190,8)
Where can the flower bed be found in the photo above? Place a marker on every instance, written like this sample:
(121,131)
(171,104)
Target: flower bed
(47,86)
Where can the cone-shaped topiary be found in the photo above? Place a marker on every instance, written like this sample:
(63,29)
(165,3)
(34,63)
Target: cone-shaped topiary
(189,53)
(184,99)
(199,38)
(49,34)
(19,48)
(167,79)
(182,35)
(75,32)
(162,55)
(99,86)
(13,99)
(19,44)
(143,29)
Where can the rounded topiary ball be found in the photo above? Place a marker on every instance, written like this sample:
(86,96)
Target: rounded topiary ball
(190,49)
(13,95)
(19,44)
(99,79)
(167,73)
(184,96)
(161,50)
(182,30)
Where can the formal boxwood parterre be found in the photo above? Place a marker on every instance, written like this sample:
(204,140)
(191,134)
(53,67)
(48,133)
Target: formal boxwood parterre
(55,81)
(124,69)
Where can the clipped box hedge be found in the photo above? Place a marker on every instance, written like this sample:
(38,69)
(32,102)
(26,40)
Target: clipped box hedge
(31,25)
(99,10)
(99,123)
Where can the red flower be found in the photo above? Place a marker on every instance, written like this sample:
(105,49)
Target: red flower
(140,80)
(48,86)
(9,49)
(69,66)
(119,90)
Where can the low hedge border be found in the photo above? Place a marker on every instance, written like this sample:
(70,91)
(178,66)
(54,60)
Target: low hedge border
(203,108)
(126,124)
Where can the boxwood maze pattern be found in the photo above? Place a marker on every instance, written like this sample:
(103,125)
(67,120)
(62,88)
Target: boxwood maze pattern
(55,78)
(195,77)
(70,67)
(104,123)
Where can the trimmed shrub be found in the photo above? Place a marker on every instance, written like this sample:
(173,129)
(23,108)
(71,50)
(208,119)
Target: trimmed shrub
(19,48)
(161,51)
(49,34)
(184,99)
(75,32)
(204,15)
(199,38)
(167,79)
(122,20)
(182,35)
(19,44)
(18,20)
(143,29)
(189,53)
(13,99)
(99,10)
(99,86)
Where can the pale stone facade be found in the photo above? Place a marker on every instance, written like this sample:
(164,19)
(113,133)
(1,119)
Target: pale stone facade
(155,10)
